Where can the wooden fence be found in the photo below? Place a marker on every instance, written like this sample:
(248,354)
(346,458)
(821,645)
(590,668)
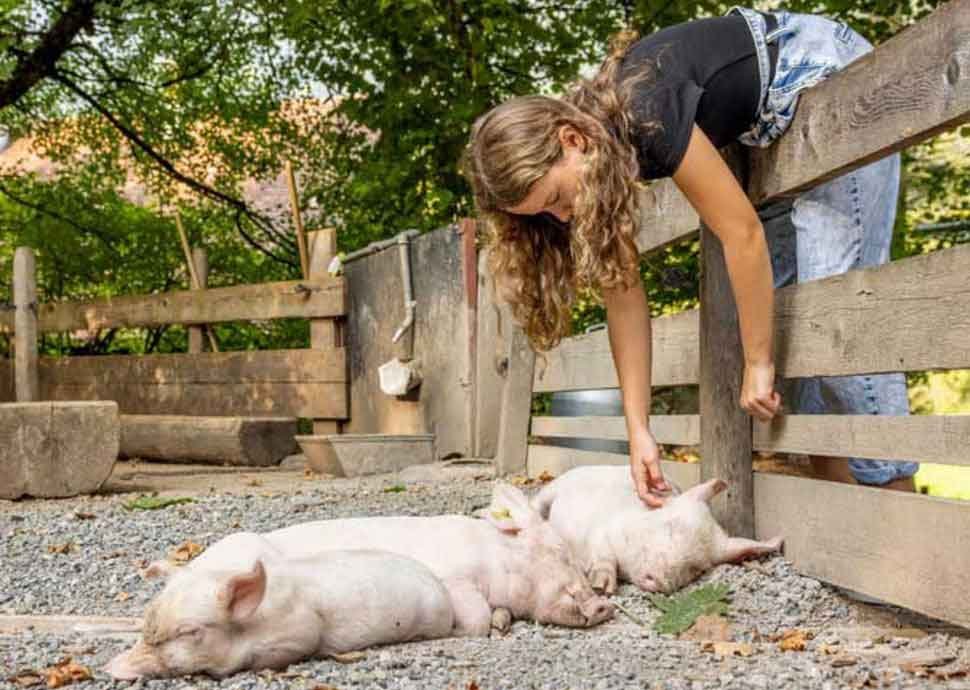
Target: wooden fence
(308,383)
(913,314)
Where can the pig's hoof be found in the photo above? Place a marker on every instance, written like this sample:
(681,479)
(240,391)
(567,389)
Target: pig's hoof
(603,581)
(501,621)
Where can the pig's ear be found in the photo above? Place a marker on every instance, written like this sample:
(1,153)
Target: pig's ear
(509,510)
(707,490)
(243,593)
(157,569)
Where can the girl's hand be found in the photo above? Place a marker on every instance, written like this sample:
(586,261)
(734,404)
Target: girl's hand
(758,395)
(645,467)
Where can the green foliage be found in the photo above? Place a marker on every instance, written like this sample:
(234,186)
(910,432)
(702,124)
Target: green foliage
(154,502)
(682,609)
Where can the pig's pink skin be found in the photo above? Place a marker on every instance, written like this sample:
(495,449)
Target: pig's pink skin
(616,537)
(512,559)
(274,612)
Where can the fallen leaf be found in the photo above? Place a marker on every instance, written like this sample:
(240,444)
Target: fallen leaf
(682,609)
(254,482)
(793,640)
(349,657)
(519,480)
(915,662)
(122,596)
(708,628)
(844,660)
(396,489)
(65,672)
(84,516)
(185,552)
(26,678)
(472,686)
(544,477)
(323,687)
(723,649)
(66,547)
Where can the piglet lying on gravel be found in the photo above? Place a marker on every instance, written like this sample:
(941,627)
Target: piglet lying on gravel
(241,606)
(510,561)
(614,535)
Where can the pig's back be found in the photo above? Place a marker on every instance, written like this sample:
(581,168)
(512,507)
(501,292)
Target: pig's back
(450,545)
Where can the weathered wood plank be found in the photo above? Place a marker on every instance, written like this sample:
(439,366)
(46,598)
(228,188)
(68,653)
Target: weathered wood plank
(665,217)
(25,316)
(325,334)
(905,548)
(878,319)
(584,361)
(556,461)
(725,426)
(942,439)
(87,626)
(908,89)
(251,366)
(318,298)
(327,400)
(681,429)
(513,432)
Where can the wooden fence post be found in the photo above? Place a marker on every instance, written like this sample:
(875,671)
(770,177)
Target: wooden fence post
(325,334)
(196,333)
(513,432)
(725,426)
(25,325)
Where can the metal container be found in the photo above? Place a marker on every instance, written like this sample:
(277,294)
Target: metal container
(602,402)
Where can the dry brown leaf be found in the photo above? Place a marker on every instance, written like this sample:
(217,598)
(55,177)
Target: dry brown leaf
(519,480)
(544,477)
(66,547)
(254,482)
(349,657)
(473,685)
(323,687)
(122,596)
(794,640)
(65,672)
(844,660)
(729,648)
(185,552)
(25,679)
(708,628)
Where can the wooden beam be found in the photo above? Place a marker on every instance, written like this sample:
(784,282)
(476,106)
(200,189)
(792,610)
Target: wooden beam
(325,334)
(942,439)
(878,319)
(511,455)
(291,299)
(556,461)
(665,217)
(725,426)
(907,90)
(25,315)
(584,361)
(682,429)
(909,549)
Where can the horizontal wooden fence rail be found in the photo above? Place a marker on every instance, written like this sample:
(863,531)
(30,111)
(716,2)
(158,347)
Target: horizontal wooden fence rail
(943,439)
(878,319)
(584,362)
(557,460)
(905,548)
(317,298)
(680,429)
(299,383)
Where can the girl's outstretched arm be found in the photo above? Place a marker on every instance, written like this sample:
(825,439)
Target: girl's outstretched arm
(713,191)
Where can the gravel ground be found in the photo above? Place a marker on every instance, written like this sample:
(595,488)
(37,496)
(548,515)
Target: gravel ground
(97,575)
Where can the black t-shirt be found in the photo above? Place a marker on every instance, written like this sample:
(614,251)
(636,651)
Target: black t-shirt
(705,71)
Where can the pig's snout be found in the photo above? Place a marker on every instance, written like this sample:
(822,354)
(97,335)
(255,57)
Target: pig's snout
(596,610)
(132,664)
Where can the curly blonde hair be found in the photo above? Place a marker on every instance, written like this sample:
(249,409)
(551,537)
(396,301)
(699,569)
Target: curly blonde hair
(538,263)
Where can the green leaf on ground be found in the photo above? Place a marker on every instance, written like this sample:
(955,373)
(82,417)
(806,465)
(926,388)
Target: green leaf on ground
(154,502)
(682,609)
(396,489)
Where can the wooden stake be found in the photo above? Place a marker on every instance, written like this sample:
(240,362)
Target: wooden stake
(193,275)
(297,221)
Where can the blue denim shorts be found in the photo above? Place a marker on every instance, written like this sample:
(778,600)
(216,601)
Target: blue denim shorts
(840,225)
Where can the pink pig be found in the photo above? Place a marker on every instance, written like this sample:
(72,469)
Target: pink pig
(512,560)
(241,606)
(615,536)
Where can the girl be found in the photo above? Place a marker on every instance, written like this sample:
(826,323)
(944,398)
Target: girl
(554,179)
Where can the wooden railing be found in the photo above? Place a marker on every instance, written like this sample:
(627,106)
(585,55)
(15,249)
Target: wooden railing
(914,314)
(309,382)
